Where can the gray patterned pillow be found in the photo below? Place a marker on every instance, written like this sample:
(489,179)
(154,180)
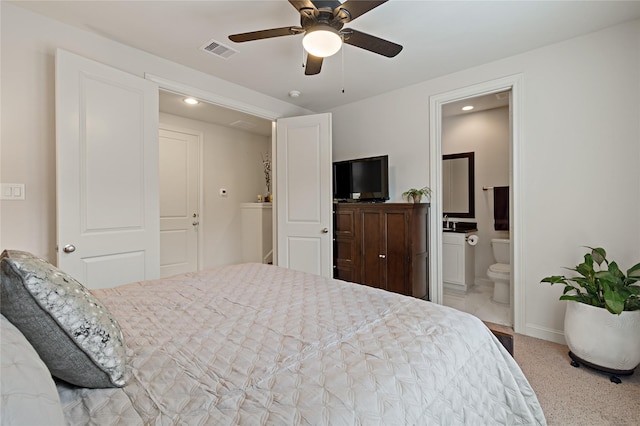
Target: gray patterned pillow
(74,334)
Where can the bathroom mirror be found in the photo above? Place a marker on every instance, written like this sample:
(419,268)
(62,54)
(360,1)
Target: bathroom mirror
(458,196)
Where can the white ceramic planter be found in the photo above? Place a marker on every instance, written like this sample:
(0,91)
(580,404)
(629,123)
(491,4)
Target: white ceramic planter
(602,338)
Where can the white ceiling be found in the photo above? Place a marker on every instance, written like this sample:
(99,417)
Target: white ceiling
(479,103)
(172,103)
(439,37)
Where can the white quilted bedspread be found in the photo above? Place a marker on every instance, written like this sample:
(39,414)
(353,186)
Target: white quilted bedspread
(255,344)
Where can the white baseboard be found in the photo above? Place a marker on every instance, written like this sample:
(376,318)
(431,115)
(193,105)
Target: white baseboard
(457,288)
(556,336)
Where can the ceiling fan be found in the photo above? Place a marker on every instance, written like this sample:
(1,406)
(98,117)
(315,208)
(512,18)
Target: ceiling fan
(322,24)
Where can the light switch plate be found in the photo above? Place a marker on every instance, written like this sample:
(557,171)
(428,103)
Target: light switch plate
(12,191)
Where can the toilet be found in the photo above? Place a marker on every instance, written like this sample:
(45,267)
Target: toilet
(500,272)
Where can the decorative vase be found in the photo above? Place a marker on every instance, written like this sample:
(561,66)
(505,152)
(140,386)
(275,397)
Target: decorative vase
(417,198)
(606,341)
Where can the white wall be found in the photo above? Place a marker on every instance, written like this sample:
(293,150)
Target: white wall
(580,152)
(27,136)
(486,133)
(580,140)
(231,160)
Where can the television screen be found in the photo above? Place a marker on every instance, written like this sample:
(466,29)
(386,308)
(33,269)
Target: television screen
(362,179)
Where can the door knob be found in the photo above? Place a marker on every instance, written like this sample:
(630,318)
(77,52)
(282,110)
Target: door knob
(382,256)
(195,223)
(325,230)
(69,248)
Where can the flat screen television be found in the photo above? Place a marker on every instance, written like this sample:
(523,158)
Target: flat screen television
(361,180)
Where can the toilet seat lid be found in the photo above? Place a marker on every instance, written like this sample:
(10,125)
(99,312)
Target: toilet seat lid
(502,268)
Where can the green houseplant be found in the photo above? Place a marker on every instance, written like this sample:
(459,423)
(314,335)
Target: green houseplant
(416,194)
(607,288)
(602,319)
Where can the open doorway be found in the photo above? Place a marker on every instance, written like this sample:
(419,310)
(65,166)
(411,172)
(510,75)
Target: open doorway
(229,174)
(281,176)
(512,85)
(476,145)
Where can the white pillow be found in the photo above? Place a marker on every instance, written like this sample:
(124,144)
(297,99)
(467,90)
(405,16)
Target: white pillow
(29,395)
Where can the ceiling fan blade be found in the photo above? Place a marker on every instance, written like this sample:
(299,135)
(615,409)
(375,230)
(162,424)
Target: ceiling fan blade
(357,7)
(371,43)
(258,35)
(305,7)
(313,66)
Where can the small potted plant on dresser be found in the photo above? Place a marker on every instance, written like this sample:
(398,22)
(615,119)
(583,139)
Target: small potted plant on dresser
(416,195)
(602,320)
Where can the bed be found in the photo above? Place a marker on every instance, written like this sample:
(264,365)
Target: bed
(259,344)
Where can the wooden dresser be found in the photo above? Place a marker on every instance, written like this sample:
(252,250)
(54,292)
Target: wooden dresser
(383,245)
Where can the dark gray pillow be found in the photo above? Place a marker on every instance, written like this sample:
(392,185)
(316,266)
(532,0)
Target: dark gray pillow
(74,334)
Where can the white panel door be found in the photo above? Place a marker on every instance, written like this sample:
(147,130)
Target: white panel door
(303,193)
(179,201)
(107,173)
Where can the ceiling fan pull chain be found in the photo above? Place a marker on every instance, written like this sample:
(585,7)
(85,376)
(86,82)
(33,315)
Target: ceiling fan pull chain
(304,59)
(342,67)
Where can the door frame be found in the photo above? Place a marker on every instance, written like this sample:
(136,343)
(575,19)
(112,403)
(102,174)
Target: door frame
(200,136)
(515,84)
(213,98)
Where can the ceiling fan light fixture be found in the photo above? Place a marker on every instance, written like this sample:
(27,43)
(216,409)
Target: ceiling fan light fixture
(322,41)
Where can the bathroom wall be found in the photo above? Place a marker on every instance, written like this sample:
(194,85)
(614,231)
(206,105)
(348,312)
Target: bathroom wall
(487,134)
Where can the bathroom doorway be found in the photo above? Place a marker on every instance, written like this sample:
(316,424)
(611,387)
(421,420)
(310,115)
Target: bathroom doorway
(494,167)
(476,143)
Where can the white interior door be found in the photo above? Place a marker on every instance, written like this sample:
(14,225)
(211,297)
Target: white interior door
(107,173)
(179,201)
(303,194)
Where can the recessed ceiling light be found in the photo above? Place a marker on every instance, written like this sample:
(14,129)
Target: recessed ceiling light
(191,101)
(467,108)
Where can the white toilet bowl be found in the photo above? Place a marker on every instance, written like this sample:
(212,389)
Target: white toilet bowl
(500,273)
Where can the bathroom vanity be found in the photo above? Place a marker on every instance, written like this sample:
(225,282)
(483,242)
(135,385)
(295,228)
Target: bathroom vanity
(458,260)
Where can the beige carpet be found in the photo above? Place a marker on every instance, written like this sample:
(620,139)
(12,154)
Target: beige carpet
(576,396)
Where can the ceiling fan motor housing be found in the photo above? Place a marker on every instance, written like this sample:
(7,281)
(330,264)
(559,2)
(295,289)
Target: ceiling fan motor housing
(324,18)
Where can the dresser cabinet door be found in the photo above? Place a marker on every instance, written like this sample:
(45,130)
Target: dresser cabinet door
(372,272)
(397,251)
